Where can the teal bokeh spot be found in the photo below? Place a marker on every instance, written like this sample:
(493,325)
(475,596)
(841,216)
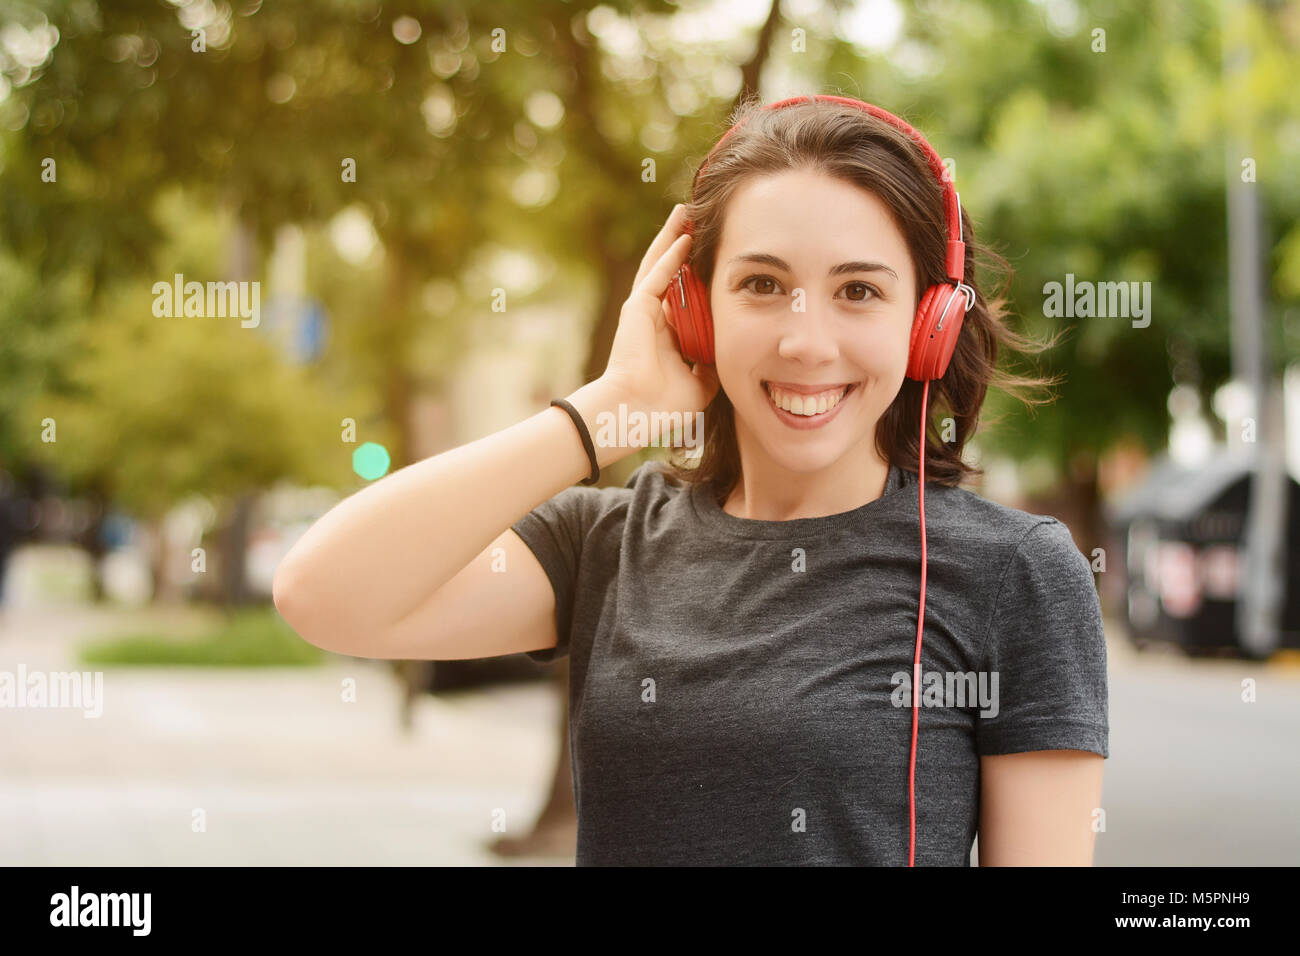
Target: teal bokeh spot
(371,461)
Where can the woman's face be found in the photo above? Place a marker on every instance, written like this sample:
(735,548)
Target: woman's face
(813,293)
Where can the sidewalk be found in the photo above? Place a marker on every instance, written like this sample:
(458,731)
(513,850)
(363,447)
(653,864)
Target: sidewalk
(283,769)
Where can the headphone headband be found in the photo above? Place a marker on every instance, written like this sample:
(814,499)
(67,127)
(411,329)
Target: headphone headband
(955,260)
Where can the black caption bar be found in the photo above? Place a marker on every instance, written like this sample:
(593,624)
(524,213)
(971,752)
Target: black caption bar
(328,905)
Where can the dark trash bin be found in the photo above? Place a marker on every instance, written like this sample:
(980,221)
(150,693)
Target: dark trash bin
(1182,532)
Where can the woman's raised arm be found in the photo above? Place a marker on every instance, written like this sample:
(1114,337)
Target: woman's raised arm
(386,551)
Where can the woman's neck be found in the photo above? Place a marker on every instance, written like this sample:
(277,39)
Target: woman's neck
(773,493)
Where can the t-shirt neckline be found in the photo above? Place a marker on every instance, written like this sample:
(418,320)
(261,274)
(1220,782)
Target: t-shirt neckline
(711,514)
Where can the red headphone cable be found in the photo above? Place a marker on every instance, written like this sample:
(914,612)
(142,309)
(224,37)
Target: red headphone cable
(916,661)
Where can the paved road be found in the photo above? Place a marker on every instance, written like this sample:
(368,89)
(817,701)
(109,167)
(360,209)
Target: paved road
(1197,776)
(286,772)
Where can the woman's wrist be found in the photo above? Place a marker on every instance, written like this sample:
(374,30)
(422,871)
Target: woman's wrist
(602,405)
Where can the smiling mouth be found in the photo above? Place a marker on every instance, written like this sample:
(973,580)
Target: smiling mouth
(808,406)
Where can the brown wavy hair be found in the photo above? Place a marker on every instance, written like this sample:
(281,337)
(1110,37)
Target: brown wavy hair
(853,146)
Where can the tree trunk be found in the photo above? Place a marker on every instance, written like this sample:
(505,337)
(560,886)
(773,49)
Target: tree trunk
(415,678)
(91,540)
(752,71)
(165,590)
(397,344)
(555,832)
(234,548)
(398,393)
(1086,519)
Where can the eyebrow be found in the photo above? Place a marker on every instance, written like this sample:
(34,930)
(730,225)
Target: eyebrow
(764,258)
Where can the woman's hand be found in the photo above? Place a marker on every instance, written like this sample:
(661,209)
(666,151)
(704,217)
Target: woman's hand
(645,363)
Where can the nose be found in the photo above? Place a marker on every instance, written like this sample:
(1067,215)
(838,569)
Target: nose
(809,337)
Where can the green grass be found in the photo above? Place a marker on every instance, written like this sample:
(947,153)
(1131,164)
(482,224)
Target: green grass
(250,638)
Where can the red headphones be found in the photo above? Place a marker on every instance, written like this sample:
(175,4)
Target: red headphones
(935,328)
(938,317)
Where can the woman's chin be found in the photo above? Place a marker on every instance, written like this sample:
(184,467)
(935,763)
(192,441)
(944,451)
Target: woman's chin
(810,455)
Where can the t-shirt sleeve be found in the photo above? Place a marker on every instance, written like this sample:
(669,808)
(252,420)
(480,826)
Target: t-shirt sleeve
(555,532)
(1047,646)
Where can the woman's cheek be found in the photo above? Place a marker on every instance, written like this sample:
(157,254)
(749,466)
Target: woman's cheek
(885,365)
(736,352)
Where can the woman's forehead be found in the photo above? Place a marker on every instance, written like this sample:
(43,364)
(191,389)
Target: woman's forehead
(810,224)
(807,203)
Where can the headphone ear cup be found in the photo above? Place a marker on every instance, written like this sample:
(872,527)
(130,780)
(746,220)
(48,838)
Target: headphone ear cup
(931,348)
(692,322)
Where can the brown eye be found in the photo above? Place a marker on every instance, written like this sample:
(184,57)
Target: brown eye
(753,282)
(862,286)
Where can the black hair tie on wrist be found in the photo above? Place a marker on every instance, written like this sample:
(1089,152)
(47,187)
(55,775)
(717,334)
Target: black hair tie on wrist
(586,439)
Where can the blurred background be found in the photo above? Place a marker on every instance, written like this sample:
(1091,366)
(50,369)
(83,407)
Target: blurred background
(443,205)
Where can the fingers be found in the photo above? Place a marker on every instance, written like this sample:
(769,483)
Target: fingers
(657,279)
(671,229)
(669,335)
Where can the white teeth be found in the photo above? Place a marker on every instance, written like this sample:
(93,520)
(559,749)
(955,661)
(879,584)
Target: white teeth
(806,405)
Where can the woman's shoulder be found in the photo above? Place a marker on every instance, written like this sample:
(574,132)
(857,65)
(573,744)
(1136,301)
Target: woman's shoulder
(647,488)
(969,515)
(655,475)
(1021,560)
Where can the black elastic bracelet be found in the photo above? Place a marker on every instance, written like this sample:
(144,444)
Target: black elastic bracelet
(586,439)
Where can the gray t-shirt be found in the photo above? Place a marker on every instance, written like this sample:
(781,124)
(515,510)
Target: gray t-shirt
(740,690)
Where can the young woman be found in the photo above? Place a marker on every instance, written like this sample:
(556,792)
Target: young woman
(743,634)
